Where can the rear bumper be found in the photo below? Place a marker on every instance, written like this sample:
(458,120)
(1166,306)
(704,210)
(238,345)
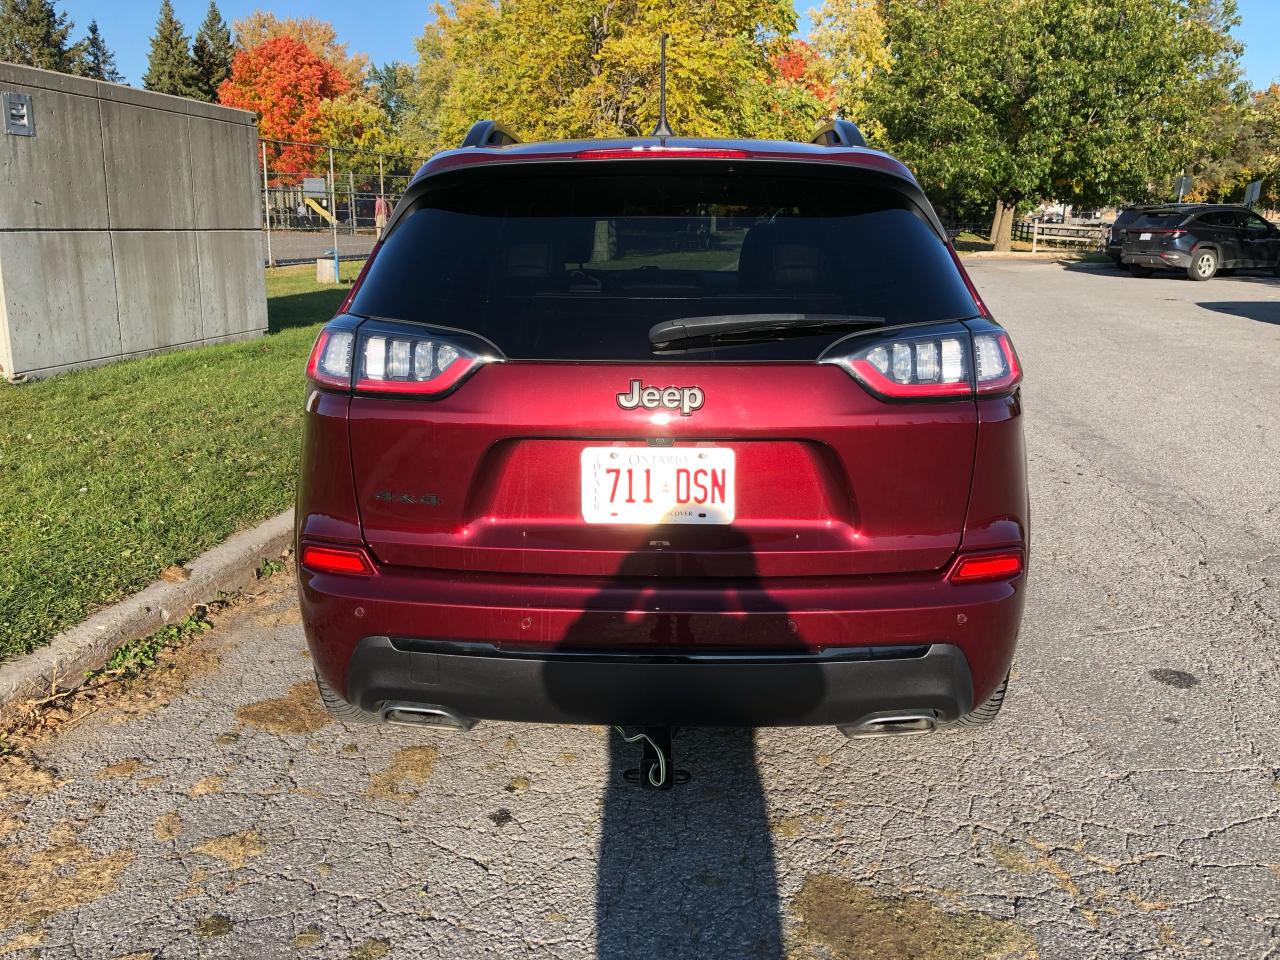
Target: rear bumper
(1166,260)
(648,650)
(478,681)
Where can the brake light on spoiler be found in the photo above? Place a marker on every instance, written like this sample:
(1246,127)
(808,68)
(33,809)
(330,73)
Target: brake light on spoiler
(645,151)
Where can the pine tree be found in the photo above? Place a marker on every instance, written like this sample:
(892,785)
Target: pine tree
(170,68)
(99,62)
(34,33)
(212,52)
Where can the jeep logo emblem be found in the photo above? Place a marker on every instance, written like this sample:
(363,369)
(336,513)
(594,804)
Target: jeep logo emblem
(684,399)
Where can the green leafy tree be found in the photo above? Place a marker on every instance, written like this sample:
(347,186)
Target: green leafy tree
(98,61)
(170,68)
(1013,101)
(567,68)
(211,52)
(390,86)
(851,35)
(35,34)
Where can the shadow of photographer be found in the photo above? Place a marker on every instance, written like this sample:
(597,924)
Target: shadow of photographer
(687,872)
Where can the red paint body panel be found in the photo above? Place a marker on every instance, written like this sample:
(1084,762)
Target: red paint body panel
(830,480)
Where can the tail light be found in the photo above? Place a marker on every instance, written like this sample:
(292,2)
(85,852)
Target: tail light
(400,359)
(351,561)
(989,566)
(941,366)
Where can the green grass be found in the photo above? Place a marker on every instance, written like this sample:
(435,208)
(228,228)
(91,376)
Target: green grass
(109,475)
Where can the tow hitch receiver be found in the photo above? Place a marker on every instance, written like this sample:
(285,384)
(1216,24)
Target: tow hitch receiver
(657,767)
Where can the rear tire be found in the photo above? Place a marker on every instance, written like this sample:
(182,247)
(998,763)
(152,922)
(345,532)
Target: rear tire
(340,709)
(1204,264)
(984,715)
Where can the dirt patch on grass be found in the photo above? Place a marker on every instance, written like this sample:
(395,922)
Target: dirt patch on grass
(859,923)
(235,850)
(298,711)
(22,779)
(410,766)
(36,884)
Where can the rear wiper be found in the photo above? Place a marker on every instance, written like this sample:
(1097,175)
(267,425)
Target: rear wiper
(753,327)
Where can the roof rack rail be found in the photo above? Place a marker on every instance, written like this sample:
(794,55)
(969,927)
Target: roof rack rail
(489,133)
(839,133)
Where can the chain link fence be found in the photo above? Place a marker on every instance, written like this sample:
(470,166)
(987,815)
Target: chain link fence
(323,201)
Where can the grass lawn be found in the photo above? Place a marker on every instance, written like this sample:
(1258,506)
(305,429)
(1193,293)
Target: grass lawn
(109,475)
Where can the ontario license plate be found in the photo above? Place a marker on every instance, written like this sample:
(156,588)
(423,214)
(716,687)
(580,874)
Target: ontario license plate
(650,486)
(1144,236)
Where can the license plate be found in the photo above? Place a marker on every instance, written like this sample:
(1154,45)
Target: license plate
(1144,236)
(650,486)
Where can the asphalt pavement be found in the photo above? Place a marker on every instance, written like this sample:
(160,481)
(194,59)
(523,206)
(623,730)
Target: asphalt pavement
(1125,804)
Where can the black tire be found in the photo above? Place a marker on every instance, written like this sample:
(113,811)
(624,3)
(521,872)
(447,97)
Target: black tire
(984,715)
(1139,271)
(340,709)
(1204,264)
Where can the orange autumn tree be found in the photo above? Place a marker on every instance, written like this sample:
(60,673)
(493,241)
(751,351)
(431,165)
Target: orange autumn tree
(285,83)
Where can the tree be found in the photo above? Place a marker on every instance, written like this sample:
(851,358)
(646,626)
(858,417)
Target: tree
(170,68)
(34,33)
(212,51)
(285,83)
(850,35)
(98,61)
(390,86)
(318,35)
(566,68)
(1010,101)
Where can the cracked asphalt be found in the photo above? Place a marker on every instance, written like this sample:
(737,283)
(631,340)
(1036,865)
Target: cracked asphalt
(1125,804)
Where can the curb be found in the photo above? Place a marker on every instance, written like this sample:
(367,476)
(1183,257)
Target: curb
(227,568)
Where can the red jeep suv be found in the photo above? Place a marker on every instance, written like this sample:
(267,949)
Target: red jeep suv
(664,432)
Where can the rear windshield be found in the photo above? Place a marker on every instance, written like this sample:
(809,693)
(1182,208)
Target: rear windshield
(1160,221)
(567,266)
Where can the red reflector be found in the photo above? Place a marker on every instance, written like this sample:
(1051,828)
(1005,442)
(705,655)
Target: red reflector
(640,152)
(346,560)
(989,567)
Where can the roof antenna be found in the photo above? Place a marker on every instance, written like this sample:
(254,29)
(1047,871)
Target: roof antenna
(663,129)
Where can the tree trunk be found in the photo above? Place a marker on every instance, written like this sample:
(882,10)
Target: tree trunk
(995,222)
(1002,229)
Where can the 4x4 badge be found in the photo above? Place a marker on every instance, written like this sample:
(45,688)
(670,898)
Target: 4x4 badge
(684,399)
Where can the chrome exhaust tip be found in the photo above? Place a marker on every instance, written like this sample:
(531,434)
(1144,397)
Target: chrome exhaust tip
(425,715)
(896,724)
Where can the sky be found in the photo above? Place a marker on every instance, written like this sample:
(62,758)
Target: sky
(385,29)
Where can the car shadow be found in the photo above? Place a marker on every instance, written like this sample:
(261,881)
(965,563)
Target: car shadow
(1263,311)
(687,872)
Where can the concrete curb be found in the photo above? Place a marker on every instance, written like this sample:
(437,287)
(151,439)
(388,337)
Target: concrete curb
(228,567)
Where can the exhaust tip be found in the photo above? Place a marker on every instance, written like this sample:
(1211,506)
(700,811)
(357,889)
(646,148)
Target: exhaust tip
(899,724)
(425,715)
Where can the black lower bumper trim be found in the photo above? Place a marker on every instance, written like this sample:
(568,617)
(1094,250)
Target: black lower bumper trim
(835,687)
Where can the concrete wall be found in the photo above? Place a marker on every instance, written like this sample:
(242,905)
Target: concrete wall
(128,224)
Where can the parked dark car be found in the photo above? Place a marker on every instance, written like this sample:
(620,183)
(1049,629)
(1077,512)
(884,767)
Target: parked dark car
(1200,241)
(772,478)
(1126,216)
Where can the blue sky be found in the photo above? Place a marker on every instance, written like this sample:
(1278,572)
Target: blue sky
(385,29)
